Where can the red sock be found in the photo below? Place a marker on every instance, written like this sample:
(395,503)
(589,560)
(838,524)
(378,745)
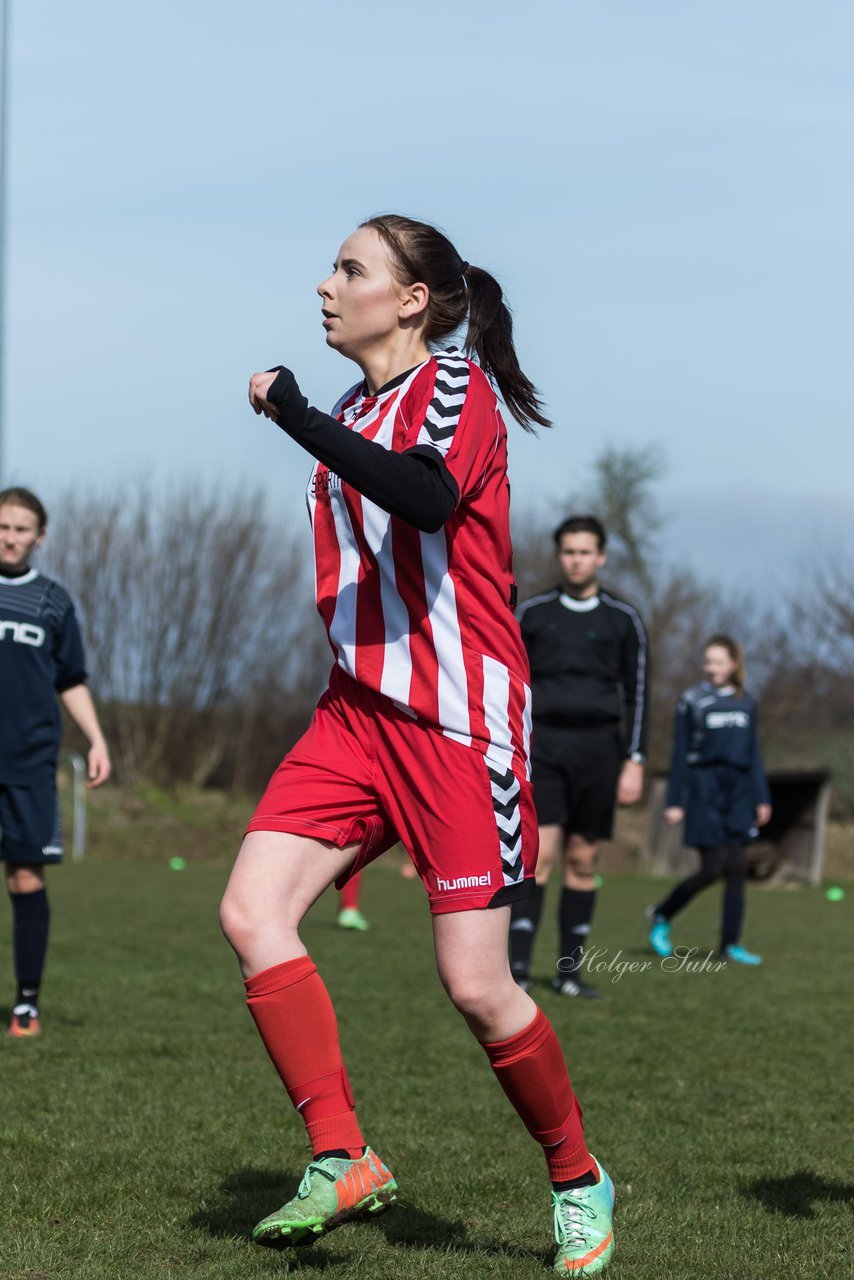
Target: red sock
(293,1012)
(532,1072)
(349,895)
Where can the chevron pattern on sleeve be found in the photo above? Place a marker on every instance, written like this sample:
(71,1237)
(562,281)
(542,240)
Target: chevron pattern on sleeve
(449,396)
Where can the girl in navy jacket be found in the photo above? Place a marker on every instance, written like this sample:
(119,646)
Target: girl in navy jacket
(717,785)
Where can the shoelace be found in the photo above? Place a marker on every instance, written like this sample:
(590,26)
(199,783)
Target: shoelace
(304,1187)
(568,1220)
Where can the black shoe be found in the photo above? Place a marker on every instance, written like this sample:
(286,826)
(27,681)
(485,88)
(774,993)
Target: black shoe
(575,987)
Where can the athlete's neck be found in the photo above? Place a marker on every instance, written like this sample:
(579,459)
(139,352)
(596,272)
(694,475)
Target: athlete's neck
(403,352)
(18,572)
(581,593)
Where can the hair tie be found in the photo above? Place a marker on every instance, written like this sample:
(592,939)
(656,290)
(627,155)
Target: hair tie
(464,268)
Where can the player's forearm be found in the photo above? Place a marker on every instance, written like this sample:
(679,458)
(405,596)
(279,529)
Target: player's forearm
(77,701)
(413,485)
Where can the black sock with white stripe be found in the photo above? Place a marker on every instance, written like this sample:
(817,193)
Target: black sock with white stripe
(524,923)
(576,914)
(31,922)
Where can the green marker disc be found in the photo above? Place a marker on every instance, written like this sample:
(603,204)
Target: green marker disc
(835,894)
(177,864)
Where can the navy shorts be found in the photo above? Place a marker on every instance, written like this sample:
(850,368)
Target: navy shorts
(29,824)
(720,806)
(575,774)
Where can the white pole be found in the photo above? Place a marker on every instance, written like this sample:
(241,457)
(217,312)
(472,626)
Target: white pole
(78,778)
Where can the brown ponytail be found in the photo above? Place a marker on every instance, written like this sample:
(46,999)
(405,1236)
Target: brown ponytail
(458,290)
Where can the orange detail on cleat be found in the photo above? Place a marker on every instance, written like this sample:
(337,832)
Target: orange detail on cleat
(24,1026)
(363,1177)
(578,1263)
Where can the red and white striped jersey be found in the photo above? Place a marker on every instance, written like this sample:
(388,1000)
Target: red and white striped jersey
(426,618)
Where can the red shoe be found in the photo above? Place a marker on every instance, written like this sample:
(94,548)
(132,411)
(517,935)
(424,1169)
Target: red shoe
(25,1022)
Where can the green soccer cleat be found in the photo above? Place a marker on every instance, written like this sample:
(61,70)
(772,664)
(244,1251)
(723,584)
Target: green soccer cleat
(352,918)
(333,1191)
(25,1022)
(740,955)
(584,1227)
(659,933)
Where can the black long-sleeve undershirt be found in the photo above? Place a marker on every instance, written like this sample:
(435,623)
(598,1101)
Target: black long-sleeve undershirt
(415,485)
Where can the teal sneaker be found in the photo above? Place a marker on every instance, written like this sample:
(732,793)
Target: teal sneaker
(739,955)
(333,1191)
(352,918)
(584,1227)
(659,933)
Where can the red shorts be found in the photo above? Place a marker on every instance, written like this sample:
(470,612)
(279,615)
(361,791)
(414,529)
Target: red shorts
(367,771)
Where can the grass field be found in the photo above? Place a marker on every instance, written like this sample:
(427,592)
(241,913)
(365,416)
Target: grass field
(146,1132)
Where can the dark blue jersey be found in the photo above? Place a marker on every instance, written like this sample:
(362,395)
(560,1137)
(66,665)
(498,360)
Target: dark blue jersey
(716,727)
(41,655)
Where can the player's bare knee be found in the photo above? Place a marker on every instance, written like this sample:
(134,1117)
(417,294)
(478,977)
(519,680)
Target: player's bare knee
(577,875)
(475,998)
(545,866)
(237,923)
(23,879)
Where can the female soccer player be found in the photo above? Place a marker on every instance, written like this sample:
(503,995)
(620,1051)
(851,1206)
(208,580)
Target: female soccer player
(349,915)
(717,785)
(423,732)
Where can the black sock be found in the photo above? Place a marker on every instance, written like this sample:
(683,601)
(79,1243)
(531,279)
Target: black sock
(735,872)
(588,1179)
(524,923)
(682,893)
(576,913)
(340,1153)
(31,919)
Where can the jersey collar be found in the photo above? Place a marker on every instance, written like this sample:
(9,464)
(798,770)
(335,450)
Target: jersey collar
(19,581)
(726,691)
(364,394)
(579,606)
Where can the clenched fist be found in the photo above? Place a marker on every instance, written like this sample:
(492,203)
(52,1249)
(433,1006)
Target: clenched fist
(259,385)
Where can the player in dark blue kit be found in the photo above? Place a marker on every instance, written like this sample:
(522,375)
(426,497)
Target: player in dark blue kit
(41,661)
(718,786)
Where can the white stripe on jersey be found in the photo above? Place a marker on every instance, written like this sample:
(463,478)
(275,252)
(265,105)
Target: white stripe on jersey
(526,732)
(397,658)
(377,527)
(496,712)
(342,629)
(452,690)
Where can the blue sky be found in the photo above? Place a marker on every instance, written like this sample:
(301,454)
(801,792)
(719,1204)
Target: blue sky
(665,191)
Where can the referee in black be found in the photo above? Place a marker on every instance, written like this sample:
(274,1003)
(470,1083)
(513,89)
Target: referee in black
(590,679)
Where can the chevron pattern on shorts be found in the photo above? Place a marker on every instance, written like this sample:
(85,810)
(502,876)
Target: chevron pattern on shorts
(508,818)
(449,395)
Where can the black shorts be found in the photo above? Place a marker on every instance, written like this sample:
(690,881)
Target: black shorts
(29,824)
(575,774)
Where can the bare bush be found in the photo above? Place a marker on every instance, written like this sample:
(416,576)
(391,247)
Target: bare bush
(207,655)
(196,608)
(800,653)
